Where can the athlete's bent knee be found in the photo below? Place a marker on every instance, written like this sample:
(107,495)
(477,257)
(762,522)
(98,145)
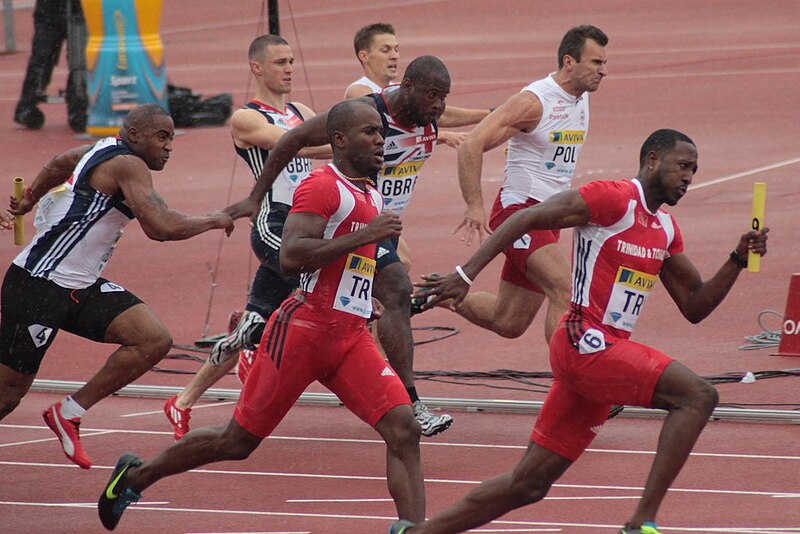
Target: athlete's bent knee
(528,490)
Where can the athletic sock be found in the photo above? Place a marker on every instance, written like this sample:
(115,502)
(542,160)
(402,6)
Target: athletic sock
(412,392)
(71,409)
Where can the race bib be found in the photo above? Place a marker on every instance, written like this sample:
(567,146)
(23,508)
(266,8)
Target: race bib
(630,292)
(396,184)
(561,155)
(354,294)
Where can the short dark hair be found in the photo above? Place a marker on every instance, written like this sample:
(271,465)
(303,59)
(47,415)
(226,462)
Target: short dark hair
(260,43)
(661,142)
(426,69)
(340,116)
(142,115)
(364,36)
(573,41)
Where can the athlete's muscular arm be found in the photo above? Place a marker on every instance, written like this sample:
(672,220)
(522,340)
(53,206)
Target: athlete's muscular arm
(564,210)
(454,117)
(159,222)
(303,249)
(310,133)
(520,113)
(695,298)
(54,173)
(249,128)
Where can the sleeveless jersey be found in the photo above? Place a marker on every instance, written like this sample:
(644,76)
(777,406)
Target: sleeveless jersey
(616,260)
(404,152)
(278,199)
(374,87)
(342,289)
(77,227)
(541,163)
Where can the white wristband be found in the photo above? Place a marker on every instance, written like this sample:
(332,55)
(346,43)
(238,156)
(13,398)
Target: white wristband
(463,275)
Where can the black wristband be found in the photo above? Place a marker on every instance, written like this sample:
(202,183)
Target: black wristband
(739,261)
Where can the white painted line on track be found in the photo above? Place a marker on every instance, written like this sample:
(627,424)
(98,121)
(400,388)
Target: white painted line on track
(744,174)
(559,525)
(334,440)
(382,479)
(195,407)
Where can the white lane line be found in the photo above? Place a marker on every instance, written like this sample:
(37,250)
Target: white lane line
(196,407)
(744,174)
(54,438)
(139,508)
(382,479)
(426,443)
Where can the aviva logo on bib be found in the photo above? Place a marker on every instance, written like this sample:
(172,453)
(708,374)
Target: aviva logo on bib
(635,279)
(361,264)
(567,137)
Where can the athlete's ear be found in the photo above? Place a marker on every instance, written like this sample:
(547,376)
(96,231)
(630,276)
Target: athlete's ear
(362,56)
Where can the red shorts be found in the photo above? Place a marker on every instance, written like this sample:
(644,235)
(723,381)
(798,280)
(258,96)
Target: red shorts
(300,346)
(587,385)
(517,253)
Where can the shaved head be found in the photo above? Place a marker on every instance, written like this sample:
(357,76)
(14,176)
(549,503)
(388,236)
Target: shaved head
(340,116)
(427,69)
(142,116)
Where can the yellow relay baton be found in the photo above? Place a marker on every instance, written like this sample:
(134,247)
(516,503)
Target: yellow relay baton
(757,223)
(19,221)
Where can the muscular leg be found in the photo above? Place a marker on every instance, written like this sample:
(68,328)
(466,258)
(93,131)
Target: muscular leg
(510,313)
(528,483)
(197,448)
(13,386)
(144,342)
(400,431)
(690,401)
(207,376)
(393,288)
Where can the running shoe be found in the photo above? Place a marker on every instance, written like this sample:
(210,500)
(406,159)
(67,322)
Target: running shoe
(68,433)
(179,419)
(431,423)
(646,528)
(117,495)
(240,337)
(398,527)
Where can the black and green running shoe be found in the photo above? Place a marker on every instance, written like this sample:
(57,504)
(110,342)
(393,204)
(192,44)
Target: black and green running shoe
(117,495)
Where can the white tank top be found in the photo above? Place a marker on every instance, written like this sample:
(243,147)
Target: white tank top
(541,163)
(374,87)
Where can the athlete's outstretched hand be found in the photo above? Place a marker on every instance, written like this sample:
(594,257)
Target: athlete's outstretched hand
(223,221)
(474,222)
(383,227)
(244,208)
(452,139)
(6,220)
(435,289)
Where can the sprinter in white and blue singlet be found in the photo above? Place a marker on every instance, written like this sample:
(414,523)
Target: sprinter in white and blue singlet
(412,111)
(86,196)
(256,129)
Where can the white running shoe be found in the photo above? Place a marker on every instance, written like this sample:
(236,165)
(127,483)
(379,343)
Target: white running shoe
(431,423)
(239,338)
